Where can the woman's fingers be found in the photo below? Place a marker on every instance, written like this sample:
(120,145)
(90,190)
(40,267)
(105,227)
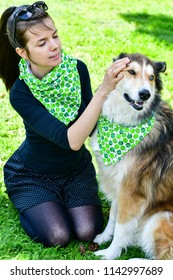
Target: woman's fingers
(113,74)
(119,65)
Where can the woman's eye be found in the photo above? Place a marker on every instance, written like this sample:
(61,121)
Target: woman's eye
(132,72)
(42,44)
(151,77)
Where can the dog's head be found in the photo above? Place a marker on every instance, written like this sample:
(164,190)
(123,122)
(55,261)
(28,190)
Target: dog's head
(141,84)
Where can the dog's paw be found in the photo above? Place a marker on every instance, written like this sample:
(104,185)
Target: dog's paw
(102,238)
(99,239)
(106,254)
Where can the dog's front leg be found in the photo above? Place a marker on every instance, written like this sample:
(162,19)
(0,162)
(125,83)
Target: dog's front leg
(108,232)
(123,237)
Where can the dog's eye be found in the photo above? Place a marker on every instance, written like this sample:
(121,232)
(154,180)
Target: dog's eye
(132,72)
(151,77)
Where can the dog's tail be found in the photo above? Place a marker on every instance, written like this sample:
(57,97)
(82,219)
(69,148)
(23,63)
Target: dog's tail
(164,238)
(157,236)
(166,254)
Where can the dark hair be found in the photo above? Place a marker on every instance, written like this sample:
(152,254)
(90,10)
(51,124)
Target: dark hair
(9,59)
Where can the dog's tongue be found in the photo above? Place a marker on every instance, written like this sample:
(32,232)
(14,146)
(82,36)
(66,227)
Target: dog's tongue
(138,105)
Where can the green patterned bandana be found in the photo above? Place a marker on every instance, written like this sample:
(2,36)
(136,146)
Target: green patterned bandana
(59,91)
(116,140)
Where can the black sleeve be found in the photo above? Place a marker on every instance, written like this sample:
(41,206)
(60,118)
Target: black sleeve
(85,82)
(35,115)
(85,86)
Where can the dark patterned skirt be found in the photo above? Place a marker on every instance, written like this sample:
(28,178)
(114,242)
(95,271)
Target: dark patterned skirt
(27,187)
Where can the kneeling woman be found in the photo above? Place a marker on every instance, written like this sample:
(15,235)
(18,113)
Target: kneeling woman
(50,178)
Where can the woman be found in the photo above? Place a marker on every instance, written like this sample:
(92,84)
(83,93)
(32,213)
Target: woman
(50,179)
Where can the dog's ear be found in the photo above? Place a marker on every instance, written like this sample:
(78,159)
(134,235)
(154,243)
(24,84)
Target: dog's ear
(160,66)
(121,55)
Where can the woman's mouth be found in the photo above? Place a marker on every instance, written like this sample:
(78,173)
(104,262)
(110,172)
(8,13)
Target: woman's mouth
(55,56)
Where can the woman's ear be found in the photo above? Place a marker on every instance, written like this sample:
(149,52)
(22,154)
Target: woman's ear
(22,53)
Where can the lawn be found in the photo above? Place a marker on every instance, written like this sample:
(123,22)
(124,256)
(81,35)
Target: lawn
(95,32)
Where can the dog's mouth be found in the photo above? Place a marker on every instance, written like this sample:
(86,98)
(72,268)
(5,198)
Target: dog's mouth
(137,105)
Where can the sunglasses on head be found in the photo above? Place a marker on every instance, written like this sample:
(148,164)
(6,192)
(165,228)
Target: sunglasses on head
(27,13)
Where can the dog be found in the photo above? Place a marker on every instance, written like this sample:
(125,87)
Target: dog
(133,146)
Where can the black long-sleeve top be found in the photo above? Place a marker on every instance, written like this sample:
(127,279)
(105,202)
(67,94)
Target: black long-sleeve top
(46,147)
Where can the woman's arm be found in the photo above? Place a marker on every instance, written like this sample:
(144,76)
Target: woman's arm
(81,129)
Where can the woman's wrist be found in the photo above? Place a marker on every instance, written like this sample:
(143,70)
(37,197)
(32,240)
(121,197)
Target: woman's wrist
(102,92)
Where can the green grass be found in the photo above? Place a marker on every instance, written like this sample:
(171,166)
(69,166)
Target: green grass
(95,32)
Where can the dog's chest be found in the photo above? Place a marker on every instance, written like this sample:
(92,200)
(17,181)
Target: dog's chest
(111,176)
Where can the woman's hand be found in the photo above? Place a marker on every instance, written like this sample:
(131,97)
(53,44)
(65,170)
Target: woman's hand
(113,76)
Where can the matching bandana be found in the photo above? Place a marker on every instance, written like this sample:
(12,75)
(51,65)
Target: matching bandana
(116,140)
(59,91)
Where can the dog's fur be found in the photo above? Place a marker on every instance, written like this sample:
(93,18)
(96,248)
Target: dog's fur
(140,185)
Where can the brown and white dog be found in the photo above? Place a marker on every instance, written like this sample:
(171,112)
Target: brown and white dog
(140,184)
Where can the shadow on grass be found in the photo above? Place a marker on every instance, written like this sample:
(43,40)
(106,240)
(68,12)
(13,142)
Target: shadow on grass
(158,26)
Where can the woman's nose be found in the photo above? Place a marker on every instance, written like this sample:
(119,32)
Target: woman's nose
(53,45)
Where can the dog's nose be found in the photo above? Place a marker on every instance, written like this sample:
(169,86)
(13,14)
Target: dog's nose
(144,94)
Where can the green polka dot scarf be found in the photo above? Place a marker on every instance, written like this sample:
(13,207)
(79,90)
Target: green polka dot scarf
(59,91)
(116,140)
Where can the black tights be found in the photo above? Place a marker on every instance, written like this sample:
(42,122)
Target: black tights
(51,224)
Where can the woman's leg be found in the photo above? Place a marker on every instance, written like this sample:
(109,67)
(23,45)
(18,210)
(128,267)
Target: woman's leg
(87,221)
(47,223)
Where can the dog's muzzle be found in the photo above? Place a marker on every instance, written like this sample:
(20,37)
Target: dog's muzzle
(138,105)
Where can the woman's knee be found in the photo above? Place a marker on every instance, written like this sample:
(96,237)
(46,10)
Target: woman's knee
(49,236)
(47,223)
(87,232)
(56,237)
(87,221)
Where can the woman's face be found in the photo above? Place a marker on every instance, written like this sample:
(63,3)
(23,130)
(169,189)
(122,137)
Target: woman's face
(43,48)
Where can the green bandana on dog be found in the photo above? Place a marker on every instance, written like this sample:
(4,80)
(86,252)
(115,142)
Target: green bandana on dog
(59,91)
(116,140)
